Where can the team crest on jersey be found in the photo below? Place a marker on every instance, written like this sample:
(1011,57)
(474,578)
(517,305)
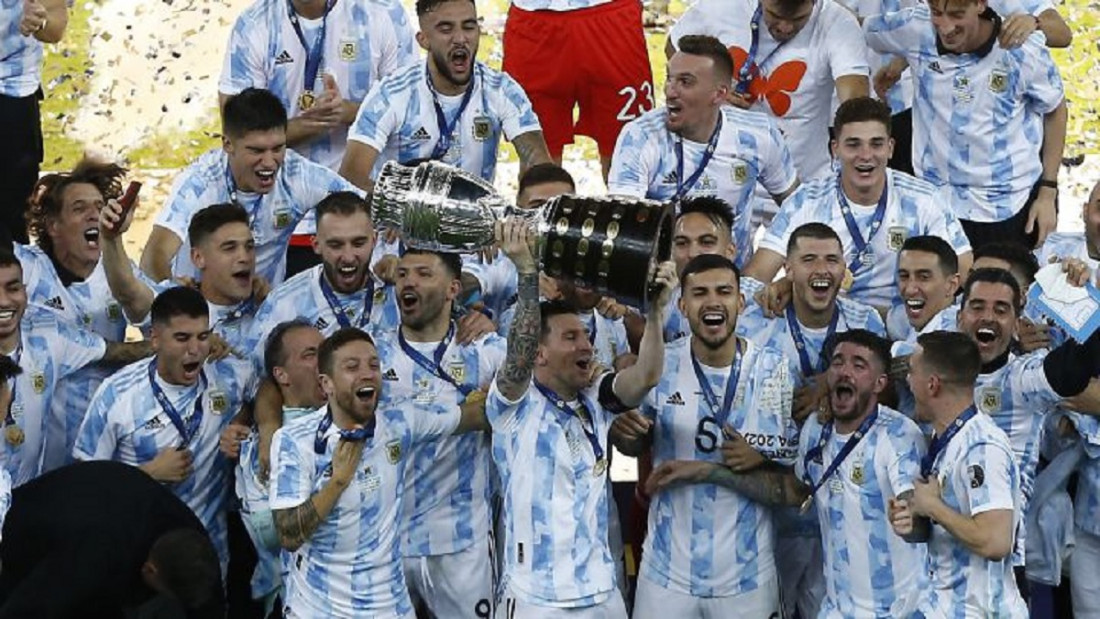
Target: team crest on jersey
(457,370)
(998,81)
(895,237)
(282,218)
(219,402)
(393,451)
(990,400)
(482,128)
(857,474)
(114,312)
(348,51)
(38,381)
(740,173)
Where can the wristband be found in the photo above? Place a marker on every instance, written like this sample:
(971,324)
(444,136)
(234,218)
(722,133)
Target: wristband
(1048,183)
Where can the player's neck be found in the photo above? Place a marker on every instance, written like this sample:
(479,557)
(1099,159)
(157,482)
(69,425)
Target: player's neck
(343,420)
(980,36)
(550,380)
(77,265)
(809,317)
(212,295)
(434,331)
(950,409)
(442,84)
(931,315)
(10,342)
(702,131)
(309,9)
(847,426)
(720,357)
(863,195)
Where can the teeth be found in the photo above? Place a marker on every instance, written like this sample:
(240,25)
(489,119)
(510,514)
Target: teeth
(986,335)
(914,303)
(265,173)
(347,270)
(819,284)
(91,234)
(364,393)
(7,314)
(713,318)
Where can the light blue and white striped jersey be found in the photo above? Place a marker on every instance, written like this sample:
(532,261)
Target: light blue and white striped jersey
(256,511)
(125,423)
(912,209)
(555,503)
(364,41)
(557,5)
(299,185)
(977,474)
(706,540)
(446,499)
(5,496)
(869,571)
(900,96)
(499,284)
(351,565)
(750,150)
(608,337)
(676,324)
(399,114)
(905,343)
(977,120)
(88,304)
(776,332)
(20,56)
(301,297)
(50,349)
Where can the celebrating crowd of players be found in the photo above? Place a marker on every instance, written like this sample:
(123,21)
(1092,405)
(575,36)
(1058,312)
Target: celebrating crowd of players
(850,412)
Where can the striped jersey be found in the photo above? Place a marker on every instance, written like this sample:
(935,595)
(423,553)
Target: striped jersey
(912,209)
(869,571)
(20,56)
(351,565)
(705,540)
(977,119)
(750,150)
(399,114)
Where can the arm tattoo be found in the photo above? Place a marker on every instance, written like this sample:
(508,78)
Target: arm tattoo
(771,484)
(523,340)
(127,352)
(296,525)
(531,148)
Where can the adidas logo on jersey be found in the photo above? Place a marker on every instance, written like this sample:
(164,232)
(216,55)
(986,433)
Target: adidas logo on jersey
(675,399)
(390,374)
(422,135)
(283,58)
(56,303)
(935,66)
(670,178)
(321,324)
(154,424)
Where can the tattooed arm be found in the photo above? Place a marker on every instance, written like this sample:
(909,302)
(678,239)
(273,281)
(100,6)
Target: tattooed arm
(296,525)
(514,377)
(770,484)
(531,148)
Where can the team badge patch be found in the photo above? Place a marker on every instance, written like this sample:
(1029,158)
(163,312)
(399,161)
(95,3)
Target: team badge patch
(482,128)
(282,218)
(38,381)
(740,173)
(457,370)
(348,51)
(895,237)
(218,402)
(976,475)
(857,474)
(393,451)
(990,400)
(998,81)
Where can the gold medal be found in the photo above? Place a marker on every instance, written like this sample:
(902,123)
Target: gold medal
(599,468)
(846,283)
(306,100)
(14,435)
(857,474)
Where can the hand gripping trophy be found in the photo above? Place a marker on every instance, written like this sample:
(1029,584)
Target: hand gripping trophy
(609,244)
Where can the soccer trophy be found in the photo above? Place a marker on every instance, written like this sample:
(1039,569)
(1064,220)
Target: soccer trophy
(609,244)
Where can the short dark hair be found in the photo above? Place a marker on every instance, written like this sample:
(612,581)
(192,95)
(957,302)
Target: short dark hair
(252,109)
(423,7)
(333,343)
(994,276)
(703,45)
(8,258)
(545,173)
(341,203)
(951,355)
(714,208)
(813,230)
(932,244)
(451,262)
(707,262)
(862,109)
(178,301)
(210,219)
(9,368)
(878,345)
(1021,261)
(275,344)
(47,197)
(187,565)
(789,7)
(549,309)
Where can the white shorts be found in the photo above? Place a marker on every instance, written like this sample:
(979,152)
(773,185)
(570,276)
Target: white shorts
(800,563)
(456,585)
(511,607)
(1084,573)
(652,601)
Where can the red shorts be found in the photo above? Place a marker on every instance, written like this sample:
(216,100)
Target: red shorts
(594,58)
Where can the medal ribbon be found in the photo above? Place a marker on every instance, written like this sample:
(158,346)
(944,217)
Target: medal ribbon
(563,408)
(338,309)
(722,414)
(187,431)
(809,369)
(358,434)
(744,75)
(849,445)
(683,187)
(446,128)
(315,52)
(433,365)
(858,242)
(16,357)
(939,443)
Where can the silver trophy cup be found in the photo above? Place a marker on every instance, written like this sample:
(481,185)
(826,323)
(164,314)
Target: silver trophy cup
(609,244)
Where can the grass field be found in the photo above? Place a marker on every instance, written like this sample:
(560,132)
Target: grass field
(68,71)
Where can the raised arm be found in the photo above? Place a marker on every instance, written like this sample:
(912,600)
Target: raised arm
(633,383)
(156,258)
(517,241)
(357,164)
(132,294)
(769,484)
(531,148)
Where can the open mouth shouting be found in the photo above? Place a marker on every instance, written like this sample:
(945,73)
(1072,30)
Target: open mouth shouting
(366,394)
(864,170)
(265,180)
(347,277)
(410,301)
(243,278)
(843,396)
(91,237)
(821,287)
(675,110)
(7,316)
(914,308)
(191,370)
(985,335)
(460,61)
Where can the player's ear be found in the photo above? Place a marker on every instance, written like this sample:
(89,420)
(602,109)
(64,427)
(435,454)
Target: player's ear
(422,40)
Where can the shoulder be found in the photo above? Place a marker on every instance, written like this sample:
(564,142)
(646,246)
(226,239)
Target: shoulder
(293,286)
(833,14)
(130,381)
(897,425)
(302,428)
(649,123)
(737,119)
(860,315)
(403,79)
(912,186)
(819,190)
(765,358)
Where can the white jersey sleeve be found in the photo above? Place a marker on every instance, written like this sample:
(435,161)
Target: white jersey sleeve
(633,161)
(291,472)
(1044,90)
(898,33)
(848,53)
